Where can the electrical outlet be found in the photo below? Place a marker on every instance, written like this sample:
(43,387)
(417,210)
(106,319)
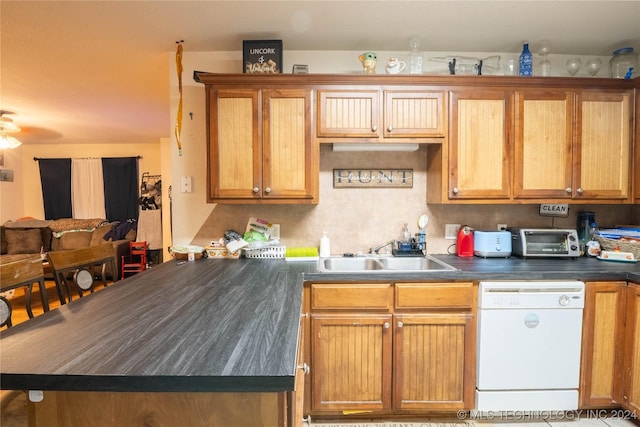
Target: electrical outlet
(451,231)
(502,227)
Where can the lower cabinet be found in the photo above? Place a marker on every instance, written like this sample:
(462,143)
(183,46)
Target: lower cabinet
(610,365)
(602,344)
(392,348)
(631,372)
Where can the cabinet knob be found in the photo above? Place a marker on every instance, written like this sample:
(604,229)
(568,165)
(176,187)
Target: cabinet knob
(400,324)
(455,190)
(304,315)
(306,420)
(568,190)
(386,325)
(374,128)
(390,128)
(579,190)
(267,190)
(256,189)
(305,368)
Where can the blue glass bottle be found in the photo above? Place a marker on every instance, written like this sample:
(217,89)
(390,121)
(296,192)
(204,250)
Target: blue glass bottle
(526,61)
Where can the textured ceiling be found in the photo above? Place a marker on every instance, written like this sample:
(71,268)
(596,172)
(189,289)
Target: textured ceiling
(96,71)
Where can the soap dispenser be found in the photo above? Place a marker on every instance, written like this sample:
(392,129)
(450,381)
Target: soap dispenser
(325,245)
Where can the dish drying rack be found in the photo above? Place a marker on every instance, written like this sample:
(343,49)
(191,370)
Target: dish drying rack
(270,252)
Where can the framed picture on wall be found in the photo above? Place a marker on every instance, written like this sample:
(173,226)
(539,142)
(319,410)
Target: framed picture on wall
(262,56)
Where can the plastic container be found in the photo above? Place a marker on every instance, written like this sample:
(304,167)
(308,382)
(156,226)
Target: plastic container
(585,225)
(325,246)
(622,61)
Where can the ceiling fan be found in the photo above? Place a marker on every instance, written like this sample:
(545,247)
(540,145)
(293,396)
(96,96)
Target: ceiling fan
(6,127)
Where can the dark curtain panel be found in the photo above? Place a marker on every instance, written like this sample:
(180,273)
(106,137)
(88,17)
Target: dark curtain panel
(55,178)
(120,187)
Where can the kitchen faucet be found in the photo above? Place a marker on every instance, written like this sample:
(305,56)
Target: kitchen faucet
(375,249)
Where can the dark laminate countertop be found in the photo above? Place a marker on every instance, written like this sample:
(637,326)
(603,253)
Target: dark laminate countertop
(213,325)
(475,268)
(208,325)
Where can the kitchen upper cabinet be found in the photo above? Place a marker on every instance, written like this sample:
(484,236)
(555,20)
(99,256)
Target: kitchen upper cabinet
(636,163)
(380,116)
(543,144)
(260,146)
(631,373)
(602,146)
(547,144)
(479,145)
(602,346)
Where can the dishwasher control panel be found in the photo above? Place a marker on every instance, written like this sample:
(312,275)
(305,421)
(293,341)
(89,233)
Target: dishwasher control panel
(531,294)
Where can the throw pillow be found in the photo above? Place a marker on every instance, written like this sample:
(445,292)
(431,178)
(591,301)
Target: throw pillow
(23,241)
(75,240)
(97,237)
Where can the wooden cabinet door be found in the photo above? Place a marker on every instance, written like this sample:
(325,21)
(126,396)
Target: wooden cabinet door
(480,145)
(234,149)
(434,361)
(351,362)
(543,144)
(636,163)
(289,160)
(631,388)
(413,114)
(602,346)
(344,114)
(602,147)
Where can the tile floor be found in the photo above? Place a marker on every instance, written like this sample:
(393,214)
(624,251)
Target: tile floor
(594,419)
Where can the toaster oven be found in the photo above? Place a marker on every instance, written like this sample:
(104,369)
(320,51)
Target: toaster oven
(544,242)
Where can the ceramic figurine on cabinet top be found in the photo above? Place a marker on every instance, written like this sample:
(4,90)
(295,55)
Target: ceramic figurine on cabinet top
(368,60)
(395,66)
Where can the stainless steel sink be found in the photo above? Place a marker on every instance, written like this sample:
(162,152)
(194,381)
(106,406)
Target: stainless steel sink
(350,264)
(411,264)
(373,264)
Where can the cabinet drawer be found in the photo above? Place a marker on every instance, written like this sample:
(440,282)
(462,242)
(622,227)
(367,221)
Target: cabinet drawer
(435,295)
(370,296)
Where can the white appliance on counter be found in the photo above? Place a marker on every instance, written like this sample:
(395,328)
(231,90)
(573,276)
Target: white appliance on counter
(529,340)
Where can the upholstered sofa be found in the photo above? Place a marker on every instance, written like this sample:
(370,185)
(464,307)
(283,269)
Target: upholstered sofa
(28,237)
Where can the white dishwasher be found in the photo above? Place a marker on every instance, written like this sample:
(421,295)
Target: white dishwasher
(529,339)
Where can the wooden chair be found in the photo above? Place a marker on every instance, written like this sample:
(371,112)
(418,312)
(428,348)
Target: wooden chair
(136,261)
(76,266)
(24,272)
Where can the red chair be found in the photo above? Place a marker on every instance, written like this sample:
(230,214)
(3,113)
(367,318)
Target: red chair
(136,261)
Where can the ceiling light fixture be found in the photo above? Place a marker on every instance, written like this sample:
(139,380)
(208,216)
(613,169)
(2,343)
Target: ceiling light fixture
(7,126)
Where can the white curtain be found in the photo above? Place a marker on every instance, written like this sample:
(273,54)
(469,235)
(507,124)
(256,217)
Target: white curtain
(87,188)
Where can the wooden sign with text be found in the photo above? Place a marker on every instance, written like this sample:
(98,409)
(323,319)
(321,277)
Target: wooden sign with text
(372,178)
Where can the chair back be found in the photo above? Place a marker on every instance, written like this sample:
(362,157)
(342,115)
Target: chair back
(138,248)
(14,274)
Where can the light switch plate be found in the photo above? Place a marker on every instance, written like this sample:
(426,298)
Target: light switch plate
(185,184)
(451,231)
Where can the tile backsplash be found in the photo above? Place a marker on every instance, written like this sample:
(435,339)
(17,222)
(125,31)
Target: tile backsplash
(358,218)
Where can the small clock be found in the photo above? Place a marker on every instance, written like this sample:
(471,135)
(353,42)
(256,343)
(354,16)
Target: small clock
(84,279)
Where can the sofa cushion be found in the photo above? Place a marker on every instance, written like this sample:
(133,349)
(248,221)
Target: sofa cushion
(73,240)
(97,238)
(20,241)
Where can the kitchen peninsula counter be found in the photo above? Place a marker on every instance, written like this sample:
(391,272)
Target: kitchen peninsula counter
(208,325)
